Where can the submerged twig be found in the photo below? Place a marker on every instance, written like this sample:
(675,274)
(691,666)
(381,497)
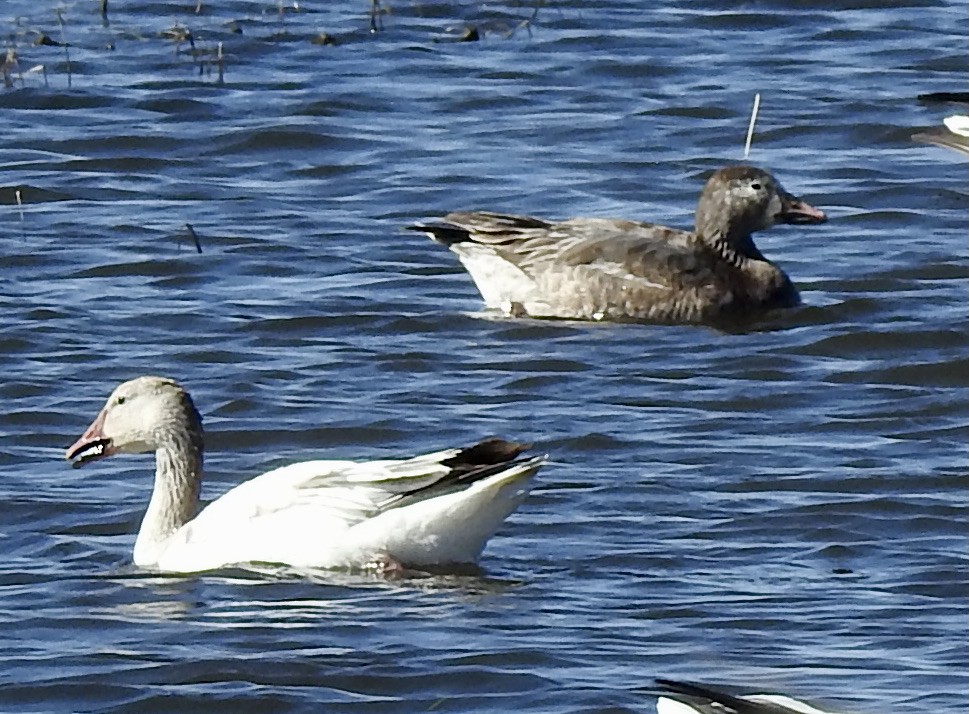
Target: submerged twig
(67,48)
(750,127)
(323,38)
(178,34)
(527,23)
(194,236)
(203,57)
(9,66)
(469,33)
(45,40)
(376,22)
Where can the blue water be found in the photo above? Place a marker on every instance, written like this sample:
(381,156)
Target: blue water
(782,509)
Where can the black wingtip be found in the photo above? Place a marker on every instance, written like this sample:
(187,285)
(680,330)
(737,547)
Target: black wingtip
(704,692)
(490,452)
(939,97)
(473,463)
(672,685)
(445,233)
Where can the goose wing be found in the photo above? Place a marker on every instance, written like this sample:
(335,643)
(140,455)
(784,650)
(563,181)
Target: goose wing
(349,492)
(650,254)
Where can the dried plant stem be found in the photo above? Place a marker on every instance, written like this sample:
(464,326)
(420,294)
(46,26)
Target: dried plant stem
(528,22)
(750,127)
(20,206)
(8,66)
(376,23)
(194,236)
(67,50)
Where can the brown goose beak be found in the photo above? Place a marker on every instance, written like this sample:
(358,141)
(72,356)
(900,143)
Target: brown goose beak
(798,212)
(92,445)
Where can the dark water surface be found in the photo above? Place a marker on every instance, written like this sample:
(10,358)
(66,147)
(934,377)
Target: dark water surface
(785,507)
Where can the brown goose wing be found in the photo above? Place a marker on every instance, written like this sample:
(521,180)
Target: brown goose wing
(662,256)
(648,252)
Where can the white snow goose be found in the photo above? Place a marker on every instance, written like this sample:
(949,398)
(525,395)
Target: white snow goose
(433,510)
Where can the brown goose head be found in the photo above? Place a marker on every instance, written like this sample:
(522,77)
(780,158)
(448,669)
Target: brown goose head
(740,200)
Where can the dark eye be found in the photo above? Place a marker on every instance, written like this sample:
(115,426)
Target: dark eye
(120,400)
(756,186)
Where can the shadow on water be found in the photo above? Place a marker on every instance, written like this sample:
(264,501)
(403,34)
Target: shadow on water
(258,589)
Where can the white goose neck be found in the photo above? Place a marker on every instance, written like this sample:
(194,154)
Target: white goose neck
(174,497)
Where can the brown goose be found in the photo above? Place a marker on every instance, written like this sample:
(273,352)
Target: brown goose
(612,269)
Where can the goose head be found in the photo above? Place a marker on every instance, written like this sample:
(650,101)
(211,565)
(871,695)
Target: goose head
(740,200)
(141,415)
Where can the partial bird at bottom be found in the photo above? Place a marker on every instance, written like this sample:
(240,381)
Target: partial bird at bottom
(693,698)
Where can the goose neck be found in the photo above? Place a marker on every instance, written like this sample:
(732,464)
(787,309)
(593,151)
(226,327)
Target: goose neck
(174,497)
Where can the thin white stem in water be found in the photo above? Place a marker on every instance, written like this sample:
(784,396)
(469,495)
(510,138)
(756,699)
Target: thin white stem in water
(750,127)
(20,206)
(67,51)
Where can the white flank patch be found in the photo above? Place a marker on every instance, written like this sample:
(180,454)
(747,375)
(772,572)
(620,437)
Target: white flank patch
(498,281)
(958,124)
(665,705)
(793,704)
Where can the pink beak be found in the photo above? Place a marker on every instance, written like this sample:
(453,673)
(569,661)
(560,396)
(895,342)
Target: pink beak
(799,212)
(92,445)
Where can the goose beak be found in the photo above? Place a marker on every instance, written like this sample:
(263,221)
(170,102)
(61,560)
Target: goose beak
(92,445)
(794,210)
